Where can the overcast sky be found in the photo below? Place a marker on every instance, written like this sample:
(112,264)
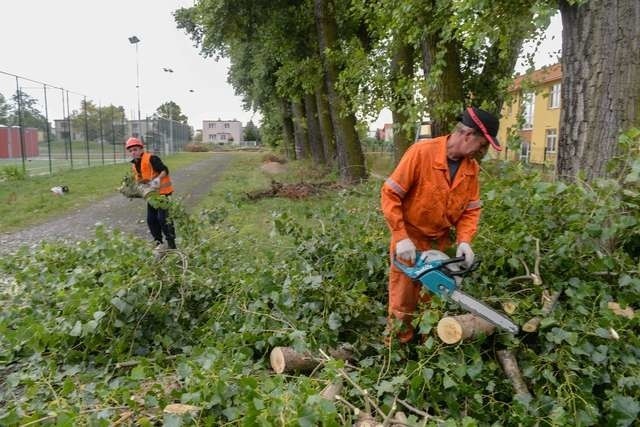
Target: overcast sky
(82,46)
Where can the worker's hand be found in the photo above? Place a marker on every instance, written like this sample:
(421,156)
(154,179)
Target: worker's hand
(155,182)
(406,250)
(464,249)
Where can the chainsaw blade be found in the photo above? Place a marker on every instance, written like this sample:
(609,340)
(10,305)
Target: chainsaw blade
(490,315)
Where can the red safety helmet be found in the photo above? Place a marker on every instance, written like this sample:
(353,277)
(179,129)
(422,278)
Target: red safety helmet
(132,142)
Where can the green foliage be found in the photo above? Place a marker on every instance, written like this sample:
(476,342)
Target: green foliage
(12,173)
(101,325)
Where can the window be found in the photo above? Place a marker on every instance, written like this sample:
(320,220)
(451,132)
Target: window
(527,110)
(226,125)
(212,137)
(524,152)
(212,125)
(551,138)
(554,96)
(223,136)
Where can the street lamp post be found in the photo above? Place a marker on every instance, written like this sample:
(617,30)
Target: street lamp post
(135,40)
(169,70)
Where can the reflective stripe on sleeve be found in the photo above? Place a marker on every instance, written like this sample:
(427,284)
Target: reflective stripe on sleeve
(395,187)
(474,205)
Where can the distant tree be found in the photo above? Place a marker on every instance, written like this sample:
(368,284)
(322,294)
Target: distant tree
(25,110)
(171,110)
(5,110)
(251,132)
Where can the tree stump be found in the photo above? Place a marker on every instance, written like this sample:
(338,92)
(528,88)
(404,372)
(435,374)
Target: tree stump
(457,328)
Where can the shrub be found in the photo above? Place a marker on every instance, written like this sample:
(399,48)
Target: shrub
(12,173)
(195,147)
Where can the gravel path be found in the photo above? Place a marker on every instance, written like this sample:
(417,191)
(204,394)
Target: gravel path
(191,184)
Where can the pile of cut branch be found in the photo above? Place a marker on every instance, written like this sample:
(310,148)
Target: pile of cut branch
(297,191)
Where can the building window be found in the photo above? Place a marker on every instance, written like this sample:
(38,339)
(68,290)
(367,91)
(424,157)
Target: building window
(212,125)
(524,152)
(551,138)
(226,125)
(212,137)
(223,136)
(527,110)
(554,96)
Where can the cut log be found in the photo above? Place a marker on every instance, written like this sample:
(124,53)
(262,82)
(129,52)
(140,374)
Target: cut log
(512,371)
(331,390)
(286,359)
(548,304)
(457,328)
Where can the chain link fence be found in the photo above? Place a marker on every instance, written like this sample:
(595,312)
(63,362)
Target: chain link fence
(45,129)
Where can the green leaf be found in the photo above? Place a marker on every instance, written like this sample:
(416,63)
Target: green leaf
(624,410)
(76,331)
(335,321)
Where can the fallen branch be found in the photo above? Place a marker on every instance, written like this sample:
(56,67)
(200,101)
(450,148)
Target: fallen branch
(512,371)
(548,304)
(453,329)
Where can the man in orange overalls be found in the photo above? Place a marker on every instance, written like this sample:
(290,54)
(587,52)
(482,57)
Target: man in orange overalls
(433,190)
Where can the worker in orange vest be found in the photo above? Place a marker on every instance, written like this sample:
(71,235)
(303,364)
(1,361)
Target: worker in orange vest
(149,169)
(433,191)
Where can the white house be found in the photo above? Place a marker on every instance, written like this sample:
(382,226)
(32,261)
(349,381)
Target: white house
(221,131)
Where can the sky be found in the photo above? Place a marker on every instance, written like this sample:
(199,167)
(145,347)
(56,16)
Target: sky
(83,46)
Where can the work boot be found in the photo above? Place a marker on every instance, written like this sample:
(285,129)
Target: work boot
(171,244)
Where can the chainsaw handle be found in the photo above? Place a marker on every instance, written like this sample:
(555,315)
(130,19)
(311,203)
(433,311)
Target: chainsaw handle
(463,271)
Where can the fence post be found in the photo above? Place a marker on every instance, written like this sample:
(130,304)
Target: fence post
(48,131)
(69,126)
(86,130)
(22,153)
(101,133)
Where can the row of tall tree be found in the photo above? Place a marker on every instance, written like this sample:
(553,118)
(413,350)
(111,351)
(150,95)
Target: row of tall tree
(316,68)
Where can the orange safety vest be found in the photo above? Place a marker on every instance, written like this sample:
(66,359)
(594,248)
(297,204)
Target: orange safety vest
(420,202)
(147,174)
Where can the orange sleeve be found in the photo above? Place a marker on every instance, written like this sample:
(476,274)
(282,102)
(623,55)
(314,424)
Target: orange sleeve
(394,190)
(467,225)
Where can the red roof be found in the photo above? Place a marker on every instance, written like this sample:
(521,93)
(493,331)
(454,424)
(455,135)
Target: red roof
(543,75)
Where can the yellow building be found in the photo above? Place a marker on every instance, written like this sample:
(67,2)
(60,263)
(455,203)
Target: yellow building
(529,127)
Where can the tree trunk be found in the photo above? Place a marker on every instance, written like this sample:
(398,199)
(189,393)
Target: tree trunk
(313,129)
(445,96)
(600,84)
(300,130)
(286,359)
(350,157)
(457,328)
(401,73)
(287,131)
(326,128)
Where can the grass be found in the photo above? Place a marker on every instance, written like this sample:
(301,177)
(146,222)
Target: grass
(29,201)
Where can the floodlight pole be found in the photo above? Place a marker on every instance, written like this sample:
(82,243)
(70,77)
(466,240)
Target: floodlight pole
(135,40)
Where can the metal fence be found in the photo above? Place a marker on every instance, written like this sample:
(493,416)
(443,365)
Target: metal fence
(45,129)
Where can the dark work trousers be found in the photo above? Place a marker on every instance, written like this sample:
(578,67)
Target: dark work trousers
(159,224)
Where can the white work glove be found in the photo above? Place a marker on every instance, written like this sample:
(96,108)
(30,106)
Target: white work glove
(464,249)
(406,250)
(155,182)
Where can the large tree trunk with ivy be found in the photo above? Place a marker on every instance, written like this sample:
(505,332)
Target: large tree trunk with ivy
(300,130)
(350,157)
(326,128)
(600,83)
(445,94)
(401,76)
(313,129)
(288,137)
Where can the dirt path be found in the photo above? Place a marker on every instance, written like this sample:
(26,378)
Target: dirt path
(191,184)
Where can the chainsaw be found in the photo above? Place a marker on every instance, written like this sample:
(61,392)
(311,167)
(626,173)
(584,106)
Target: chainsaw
(442,276)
